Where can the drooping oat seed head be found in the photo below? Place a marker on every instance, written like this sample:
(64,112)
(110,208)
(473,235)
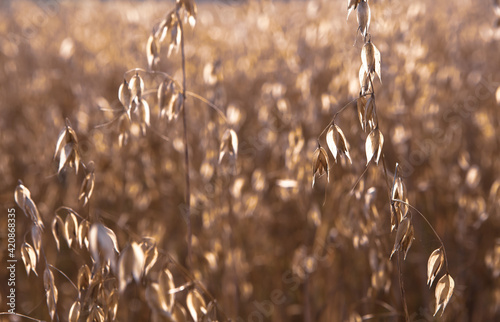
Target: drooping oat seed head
(363,17)
(443,292)
(153,51)
(403,233)
(434,265)
(373,146)
(191,10)
(370,57)
(51,292)
(87,187)
(29,258)
(351,5)
(22,196)
(144,115)
(136,86)
(337,143)
(370,114)
(125,96)
(67,148)
(124,124)
(165,93)
(196,304)
(229,144)
(130,265)
(361,104)
(320,164)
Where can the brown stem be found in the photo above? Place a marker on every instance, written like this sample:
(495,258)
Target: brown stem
(402,288)
(186,147)
(428,223)
(340,111)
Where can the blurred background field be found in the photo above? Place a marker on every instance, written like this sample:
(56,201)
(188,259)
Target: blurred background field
(264,244)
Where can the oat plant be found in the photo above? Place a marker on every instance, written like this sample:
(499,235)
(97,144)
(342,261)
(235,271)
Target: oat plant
(400,209)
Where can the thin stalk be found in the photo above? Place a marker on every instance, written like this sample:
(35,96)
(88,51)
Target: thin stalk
(186,147)
(340,111)
(402,288)
(62,273)
(21,315)
(428,223)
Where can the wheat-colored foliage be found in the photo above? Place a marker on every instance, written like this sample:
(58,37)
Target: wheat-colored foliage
(278,72)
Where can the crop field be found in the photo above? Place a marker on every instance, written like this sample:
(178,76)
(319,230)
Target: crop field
(228,161)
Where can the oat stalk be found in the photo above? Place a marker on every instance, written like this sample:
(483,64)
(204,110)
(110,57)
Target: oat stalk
(186,148)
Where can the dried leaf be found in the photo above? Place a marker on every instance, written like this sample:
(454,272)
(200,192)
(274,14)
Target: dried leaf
(443,292)
(434,265)
(196,304)
(320,164)
(374,145)
(363,17)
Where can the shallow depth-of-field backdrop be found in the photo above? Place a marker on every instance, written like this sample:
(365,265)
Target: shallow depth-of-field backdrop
(266,245)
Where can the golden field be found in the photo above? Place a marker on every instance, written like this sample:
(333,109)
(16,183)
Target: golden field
(267,245)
